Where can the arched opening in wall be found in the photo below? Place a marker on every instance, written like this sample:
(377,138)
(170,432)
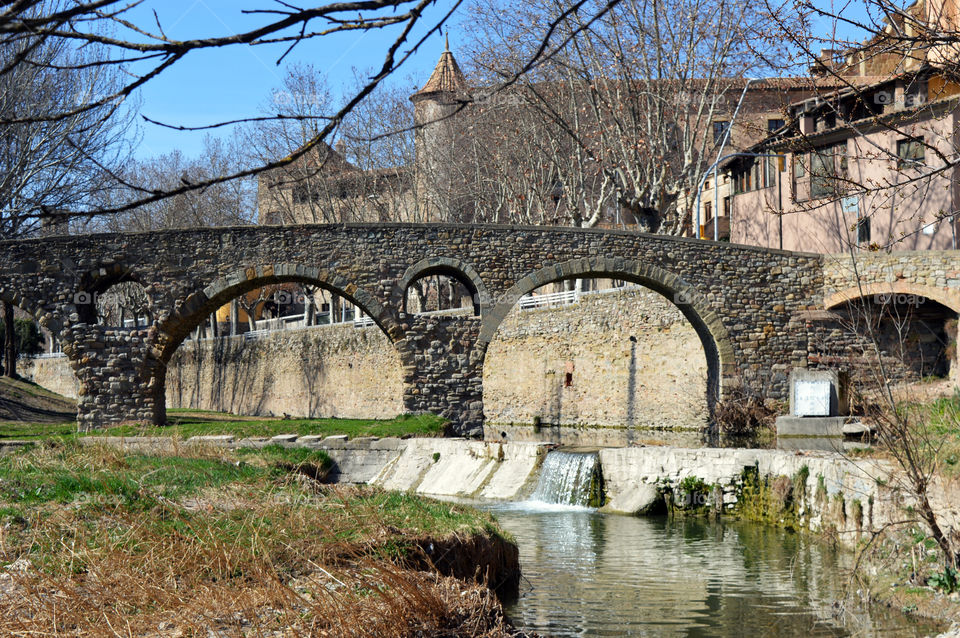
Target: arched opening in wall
(285,306)
(610,365)
(123,305)
(441,290)
(277,346)
(916,337)
(45,387)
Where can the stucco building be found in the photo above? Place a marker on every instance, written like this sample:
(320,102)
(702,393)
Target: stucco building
(869,166)
(451,169)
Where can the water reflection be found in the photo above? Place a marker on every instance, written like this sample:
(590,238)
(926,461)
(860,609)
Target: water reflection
(592,575)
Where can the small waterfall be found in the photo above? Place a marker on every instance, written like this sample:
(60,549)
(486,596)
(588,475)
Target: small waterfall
(569,478)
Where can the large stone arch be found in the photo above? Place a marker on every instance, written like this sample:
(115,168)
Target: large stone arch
(197,306)
(717,345)
(946,297)
(202,303)
(444,266)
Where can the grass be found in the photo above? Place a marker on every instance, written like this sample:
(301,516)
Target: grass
(233,542)
(185,424)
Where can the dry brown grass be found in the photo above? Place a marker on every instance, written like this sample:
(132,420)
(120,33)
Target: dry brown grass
(276,556)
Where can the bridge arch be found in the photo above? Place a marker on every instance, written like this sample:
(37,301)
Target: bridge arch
(713,335)
(452,267)
(946,297)
(199,305)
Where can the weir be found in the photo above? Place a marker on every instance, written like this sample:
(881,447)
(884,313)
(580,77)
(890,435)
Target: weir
(570,478)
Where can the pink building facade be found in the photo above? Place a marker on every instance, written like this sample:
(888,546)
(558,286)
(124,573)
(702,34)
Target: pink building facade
(868,170)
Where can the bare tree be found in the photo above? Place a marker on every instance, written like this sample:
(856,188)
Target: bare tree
(406,24)
(219,204)
(60,138)
(124,301)
(627,108)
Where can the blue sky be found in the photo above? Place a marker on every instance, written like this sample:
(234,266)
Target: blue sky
(212,86)
(234,82)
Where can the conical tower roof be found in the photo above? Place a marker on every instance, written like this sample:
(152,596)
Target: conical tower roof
(446,77)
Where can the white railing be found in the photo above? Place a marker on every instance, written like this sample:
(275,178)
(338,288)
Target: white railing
(265,327)
(549,300)
(281,323)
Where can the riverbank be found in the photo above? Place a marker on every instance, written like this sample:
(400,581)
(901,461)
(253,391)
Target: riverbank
(235,542)
(838,498)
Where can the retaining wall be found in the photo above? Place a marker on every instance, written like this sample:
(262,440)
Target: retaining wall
(658,380)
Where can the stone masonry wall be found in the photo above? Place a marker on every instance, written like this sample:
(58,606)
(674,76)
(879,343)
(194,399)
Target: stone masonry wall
(636,363)
(330,371)
(53,374)
(738,298)
(356,372)
(934,274)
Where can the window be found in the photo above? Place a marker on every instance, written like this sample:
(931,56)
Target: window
(863,230)
(719,130)
(775,124)
(910,153)
(708,211)
(726,206)
(769,172)
(828,170)
(799,165)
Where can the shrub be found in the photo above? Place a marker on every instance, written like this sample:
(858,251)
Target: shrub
(743,414)
(28,337)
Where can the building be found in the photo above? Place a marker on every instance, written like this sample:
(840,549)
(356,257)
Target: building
(869,166)
(321,186)
(470,146)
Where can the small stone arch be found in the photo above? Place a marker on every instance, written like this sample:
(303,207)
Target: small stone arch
(717,344)
(948,298)
(44,318)
(450,266)
(98,281)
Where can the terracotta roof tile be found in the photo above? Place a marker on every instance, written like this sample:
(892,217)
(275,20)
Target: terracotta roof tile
(446,77)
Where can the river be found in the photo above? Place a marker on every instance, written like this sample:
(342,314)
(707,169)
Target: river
(589,574)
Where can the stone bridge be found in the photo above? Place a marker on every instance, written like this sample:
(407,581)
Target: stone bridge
(739,299)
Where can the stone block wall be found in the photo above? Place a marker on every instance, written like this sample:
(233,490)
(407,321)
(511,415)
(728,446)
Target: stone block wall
(635,360)
(349,372)
(330,371)
(932,274)
(53,374)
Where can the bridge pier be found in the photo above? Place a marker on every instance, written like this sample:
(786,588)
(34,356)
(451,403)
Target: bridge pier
(120,379)
(443,370)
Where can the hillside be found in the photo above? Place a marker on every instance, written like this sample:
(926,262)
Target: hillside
(24,401)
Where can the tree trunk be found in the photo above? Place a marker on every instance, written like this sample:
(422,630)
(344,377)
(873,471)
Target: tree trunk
(9,342)
(234,317)
(308,309)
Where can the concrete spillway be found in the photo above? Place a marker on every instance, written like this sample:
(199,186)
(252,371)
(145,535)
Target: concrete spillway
(567,478)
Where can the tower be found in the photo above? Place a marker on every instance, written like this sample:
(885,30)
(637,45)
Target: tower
(436,108)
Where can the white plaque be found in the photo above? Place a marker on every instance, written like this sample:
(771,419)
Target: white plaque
(811,398)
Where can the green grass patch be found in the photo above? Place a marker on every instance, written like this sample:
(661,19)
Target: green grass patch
(186,426)
(70,473)
(29,431)
(188,423)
